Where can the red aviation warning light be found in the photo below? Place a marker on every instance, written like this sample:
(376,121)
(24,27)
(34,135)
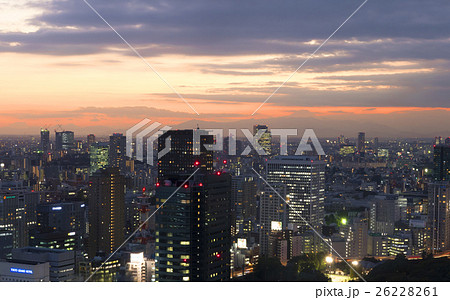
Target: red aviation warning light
(224,161)
(144,189)
(158,184)
(186,186)
(196,163)
(218,173)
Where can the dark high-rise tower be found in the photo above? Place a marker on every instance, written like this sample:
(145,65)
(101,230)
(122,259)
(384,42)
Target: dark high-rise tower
(90,140)
(361,142)
(106,202)
(441,162)
(439,216)
(117,151)
(64,140)
(193,230)
(45,140)
(244,203)
(181,158)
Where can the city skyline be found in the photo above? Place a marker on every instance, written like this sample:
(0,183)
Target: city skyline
(226,141)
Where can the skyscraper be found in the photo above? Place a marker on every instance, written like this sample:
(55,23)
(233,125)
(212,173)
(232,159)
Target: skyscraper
(106,202)
(193,230)
(90,140)
(272,215)
(64,140)
(181,158)
(193,235)
(361,145)
(304,177)
(385,210)
(244,204)
(65,219)
(441,162)
(356,236)
(117,151)
(98,156)
(266,138)
(439,215)
(17,211)
(45,140)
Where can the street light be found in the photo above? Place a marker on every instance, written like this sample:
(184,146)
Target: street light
(329,259)
(355,263)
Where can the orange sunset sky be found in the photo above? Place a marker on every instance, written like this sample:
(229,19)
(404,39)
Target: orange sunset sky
(386,71)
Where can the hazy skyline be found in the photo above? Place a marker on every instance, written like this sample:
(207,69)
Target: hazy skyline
(385,72)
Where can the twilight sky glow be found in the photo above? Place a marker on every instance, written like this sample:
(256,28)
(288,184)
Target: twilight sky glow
(385,72)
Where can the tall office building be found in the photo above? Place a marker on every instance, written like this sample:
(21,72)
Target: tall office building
(193,230)
(17,211)
(6,243)
(117,151)
(376,145)
(266,139)
(193,235)
(181,158)
(60,225)
(106,202)
(272,215)
(45,140)
(441,162)
(304,177)
(439,215)
(244,203)
(385,210)
(64,140)
(356,237)
(361,145)
(90,140)
(98,156)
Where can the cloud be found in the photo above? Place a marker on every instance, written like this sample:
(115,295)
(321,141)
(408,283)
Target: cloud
(360,66)
(207,27)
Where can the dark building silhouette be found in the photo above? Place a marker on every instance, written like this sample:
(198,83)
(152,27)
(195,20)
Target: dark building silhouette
(441,162)
(106,202)
(193,235)
(193,230)
(64,140)
(45,140)
(90,140)
(117,151)
(181,158)
(361,142)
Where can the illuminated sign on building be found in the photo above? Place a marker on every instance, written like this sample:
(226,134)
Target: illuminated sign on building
(242,243)
(275,225)
(22,271)
(57,208)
